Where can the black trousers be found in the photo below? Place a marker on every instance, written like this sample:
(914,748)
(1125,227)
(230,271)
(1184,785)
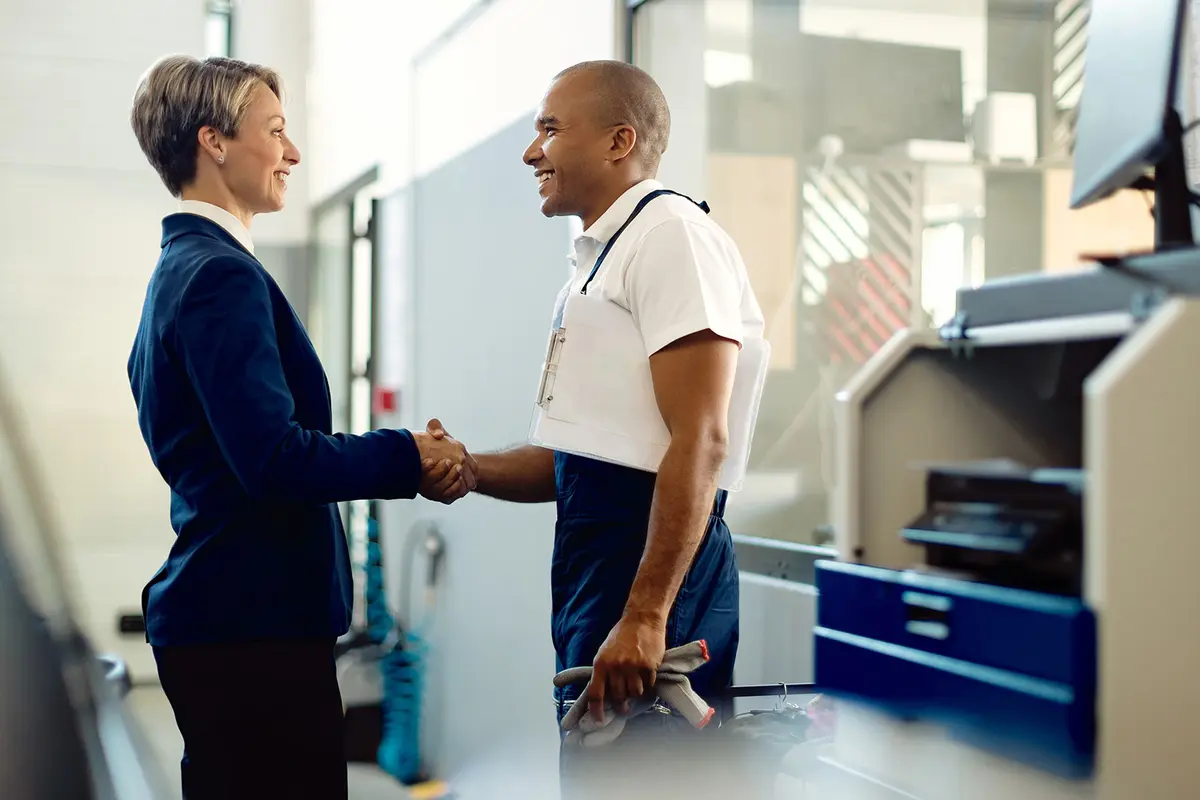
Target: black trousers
(259,719)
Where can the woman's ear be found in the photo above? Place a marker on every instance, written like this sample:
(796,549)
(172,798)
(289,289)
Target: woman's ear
(211,143)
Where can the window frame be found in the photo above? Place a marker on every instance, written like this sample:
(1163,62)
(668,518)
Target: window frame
(223,11)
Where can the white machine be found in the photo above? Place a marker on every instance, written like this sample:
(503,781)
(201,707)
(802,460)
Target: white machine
(1132,418)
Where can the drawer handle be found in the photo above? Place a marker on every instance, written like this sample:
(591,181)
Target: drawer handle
(927,615)
(930,630)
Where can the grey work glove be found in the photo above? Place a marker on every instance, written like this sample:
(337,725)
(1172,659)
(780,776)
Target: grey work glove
(671,686)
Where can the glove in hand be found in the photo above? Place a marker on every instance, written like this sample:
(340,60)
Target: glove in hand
(671,687)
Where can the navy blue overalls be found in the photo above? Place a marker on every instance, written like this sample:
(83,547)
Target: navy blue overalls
(603,518)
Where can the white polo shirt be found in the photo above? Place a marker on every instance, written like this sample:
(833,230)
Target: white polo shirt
(674,269)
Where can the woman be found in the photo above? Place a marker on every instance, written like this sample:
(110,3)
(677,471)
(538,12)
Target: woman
(234,408)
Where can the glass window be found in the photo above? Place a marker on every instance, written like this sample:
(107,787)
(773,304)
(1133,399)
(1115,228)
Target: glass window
(870,157)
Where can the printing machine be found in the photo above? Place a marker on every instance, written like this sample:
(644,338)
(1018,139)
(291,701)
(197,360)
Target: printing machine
(1017,514)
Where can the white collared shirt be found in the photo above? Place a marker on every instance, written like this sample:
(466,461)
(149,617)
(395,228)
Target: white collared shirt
(674,269)
(232,225)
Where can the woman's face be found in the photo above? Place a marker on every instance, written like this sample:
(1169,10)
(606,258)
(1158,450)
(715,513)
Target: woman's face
(259,159)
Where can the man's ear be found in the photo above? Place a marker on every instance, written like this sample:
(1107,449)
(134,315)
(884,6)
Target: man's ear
(624,138)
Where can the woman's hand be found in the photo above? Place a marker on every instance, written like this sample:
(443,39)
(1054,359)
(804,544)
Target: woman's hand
(448,470)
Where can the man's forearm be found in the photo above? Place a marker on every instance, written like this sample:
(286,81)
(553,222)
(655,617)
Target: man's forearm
(683,498)
(520,475)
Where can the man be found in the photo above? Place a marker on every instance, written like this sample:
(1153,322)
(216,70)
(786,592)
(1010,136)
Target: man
(642,562)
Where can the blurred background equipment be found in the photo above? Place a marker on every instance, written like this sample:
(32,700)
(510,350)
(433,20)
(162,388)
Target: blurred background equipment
(1015,525)
(64,728)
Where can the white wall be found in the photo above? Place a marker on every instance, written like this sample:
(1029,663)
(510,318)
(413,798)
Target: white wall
(80,214)
(361,103)
(475,99)
(490,630)
(359,82)
(457,122)
(276,33)
(497,68)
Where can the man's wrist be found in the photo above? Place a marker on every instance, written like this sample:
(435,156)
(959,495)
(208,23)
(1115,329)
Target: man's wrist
(648,614)
(485,464)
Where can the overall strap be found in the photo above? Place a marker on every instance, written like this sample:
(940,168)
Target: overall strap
(703,206)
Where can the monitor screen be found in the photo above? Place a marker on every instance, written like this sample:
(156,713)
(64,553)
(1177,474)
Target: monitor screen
(874,95)
(1129,85)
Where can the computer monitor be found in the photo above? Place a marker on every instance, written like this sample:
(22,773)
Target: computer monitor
(872,95)
(1128,121)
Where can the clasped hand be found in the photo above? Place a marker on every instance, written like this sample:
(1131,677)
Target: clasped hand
(448,471)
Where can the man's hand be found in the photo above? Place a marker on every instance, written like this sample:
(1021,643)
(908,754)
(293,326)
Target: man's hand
(626,665)
(442,482)
(448,470)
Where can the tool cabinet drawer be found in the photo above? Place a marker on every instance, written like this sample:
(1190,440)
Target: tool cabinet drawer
(1041,635)
(1010,671)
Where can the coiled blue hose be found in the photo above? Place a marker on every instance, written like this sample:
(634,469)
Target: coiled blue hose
(403,686)
(403,669)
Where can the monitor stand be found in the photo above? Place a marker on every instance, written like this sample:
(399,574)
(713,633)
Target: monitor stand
(1172,195)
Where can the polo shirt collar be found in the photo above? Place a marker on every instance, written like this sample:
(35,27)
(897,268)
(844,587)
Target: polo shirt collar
(603,228)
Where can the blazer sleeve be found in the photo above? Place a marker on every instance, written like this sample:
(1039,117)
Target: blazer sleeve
(225,333)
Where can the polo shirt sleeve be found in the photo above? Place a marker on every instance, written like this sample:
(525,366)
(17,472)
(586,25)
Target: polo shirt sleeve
(225,338)
(682,280)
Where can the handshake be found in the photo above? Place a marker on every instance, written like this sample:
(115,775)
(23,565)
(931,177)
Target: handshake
(448,471)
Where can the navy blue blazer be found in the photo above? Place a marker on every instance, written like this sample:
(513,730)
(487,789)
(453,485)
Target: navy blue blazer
(234,407)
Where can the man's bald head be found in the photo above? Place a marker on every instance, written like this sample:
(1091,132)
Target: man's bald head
(622,94)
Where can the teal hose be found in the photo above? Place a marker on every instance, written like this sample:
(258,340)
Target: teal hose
(403,668)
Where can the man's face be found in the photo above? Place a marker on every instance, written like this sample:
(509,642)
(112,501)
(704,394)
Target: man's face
(570,151)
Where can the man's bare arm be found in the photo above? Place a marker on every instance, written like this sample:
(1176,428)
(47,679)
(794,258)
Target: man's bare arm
(522,474)
(693,381)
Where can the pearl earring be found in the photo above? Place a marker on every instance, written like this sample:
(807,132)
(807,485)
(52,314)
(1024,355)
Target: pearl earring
(220,159)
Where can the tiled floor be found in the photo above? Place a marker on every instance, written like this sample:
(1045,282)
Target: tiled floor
(150,707)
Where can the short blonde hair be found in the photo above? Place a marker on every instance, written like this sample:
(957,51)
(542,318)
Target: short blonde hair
(178,96)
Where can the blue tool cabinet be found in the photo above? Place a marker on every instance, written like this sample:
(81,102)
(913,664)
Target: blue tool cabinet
(1008,670)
